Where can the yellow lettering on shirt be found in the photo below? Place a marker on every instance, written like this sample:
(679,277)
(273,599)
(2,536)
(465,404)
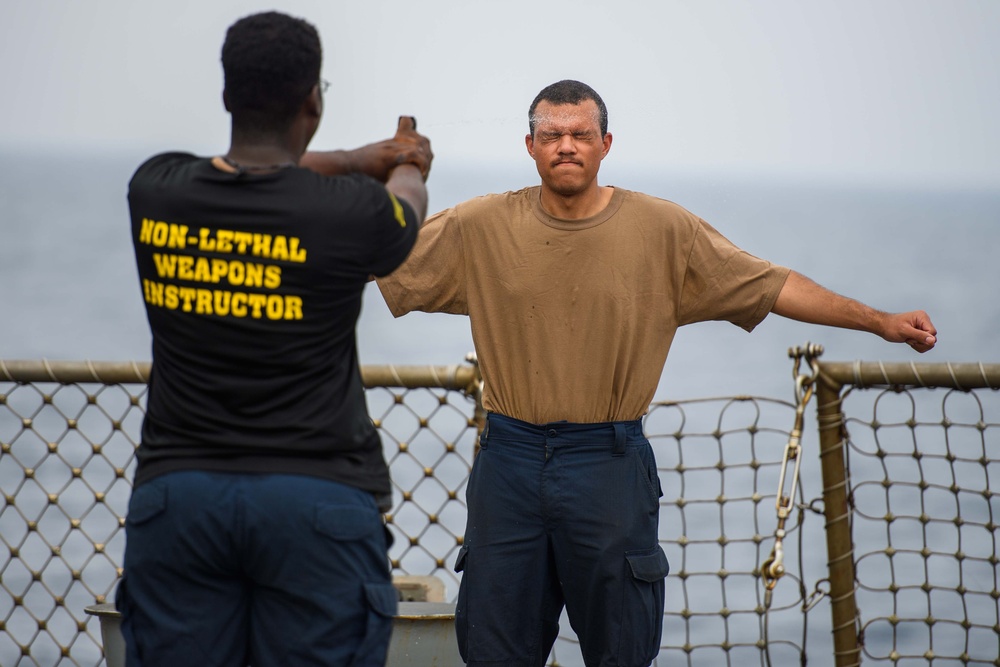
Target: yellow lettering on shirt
(171,300)
(185,267)
(237,273)
(295,253)
(261,245)
(242,240)
(293,307)
(166,265)
(161,234)
(220,268)
(254,275)
(187,296)
(222,261)
(202,270)
(205,243)
(272,276)
(223,303)
(239,304)
(203,302)
(224,240)
(279,249)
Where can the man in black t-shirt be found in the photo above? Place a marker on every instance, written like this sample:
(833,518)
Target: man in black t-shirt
(254,533)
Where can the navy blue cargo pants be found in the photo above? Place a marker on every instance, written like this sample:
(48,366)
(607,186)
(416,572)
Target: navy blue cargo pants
(561,514)
(226,570)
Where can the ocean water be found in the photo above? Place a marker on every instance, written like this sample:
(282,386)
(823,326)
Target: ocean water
(68,288)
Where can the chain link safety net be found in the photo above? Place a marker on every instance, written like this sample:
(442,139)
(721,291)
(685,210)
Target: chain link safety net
(68,431)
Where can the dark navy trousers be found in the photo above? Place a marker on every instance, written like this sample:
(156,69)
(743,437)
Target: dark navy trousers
(561,514)
(226,570)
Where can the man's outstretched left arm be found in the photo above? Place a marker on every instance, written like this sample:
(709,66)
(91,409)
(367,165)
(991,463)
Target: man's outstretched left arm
(804,300)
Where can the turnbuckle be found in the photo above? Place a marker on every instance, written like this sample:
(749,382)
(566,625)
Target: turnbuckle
(774,567)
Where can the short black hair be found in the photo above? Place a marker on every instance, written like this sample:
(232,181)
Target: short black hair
(271,61)
(568,91)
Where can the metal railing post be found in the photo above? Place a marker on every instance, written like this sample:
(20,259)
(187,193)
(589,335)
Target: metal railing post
(839,542)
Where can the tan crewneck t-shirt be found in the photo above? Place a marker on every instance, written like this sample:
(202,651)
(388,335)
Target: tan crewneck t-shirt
(572,319)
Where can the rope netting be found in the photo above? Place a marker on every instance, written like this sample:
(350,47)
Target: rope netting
(719,461)
(429,438)
(922,468)
(916,498)
(66,462)
(67,458)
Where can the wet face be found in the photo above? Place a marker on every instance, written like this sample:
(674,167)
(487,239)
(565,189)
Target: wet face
(567,146)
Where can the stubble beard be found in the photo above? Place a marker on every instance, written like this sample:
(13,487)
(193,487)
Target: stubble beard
(566,187)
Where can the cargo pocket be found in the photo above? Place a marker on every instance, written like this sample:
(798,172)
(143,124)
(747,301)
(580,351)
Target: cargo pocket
(463,553)
(123,607)
(642,612)
(382,601)
(461,610)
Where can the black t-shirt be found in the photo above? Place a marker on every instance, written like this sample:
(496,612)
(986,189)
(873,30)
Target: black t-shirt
(253,286)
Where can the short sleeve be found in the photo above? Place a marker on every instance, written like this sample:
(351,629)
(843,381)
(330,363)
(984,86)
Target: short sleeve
(433,277)
(393,231)
(723,282)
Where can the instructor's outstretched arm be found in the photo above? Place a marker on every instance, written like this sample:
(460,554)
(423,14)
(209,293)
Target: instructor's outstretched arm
(376,159)
(804,300)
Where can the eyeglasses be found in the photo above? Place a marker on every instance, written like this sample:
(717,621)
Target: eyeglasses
(324,85)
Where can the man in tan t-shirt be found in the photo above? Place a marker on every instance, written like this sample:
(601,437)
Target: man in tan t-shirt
(574,293)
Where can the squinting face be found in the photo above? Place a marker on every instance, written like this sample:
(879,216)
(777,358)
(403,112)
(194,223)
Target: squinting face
(568,146)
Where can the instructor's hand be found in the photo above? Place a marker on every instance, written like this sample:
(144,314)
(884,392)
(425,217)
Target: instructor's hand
(406,147)
(419,153)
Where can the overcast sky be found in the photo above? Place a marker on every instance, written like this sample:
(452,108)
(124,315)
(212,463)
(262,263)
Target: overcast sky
(900,90)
